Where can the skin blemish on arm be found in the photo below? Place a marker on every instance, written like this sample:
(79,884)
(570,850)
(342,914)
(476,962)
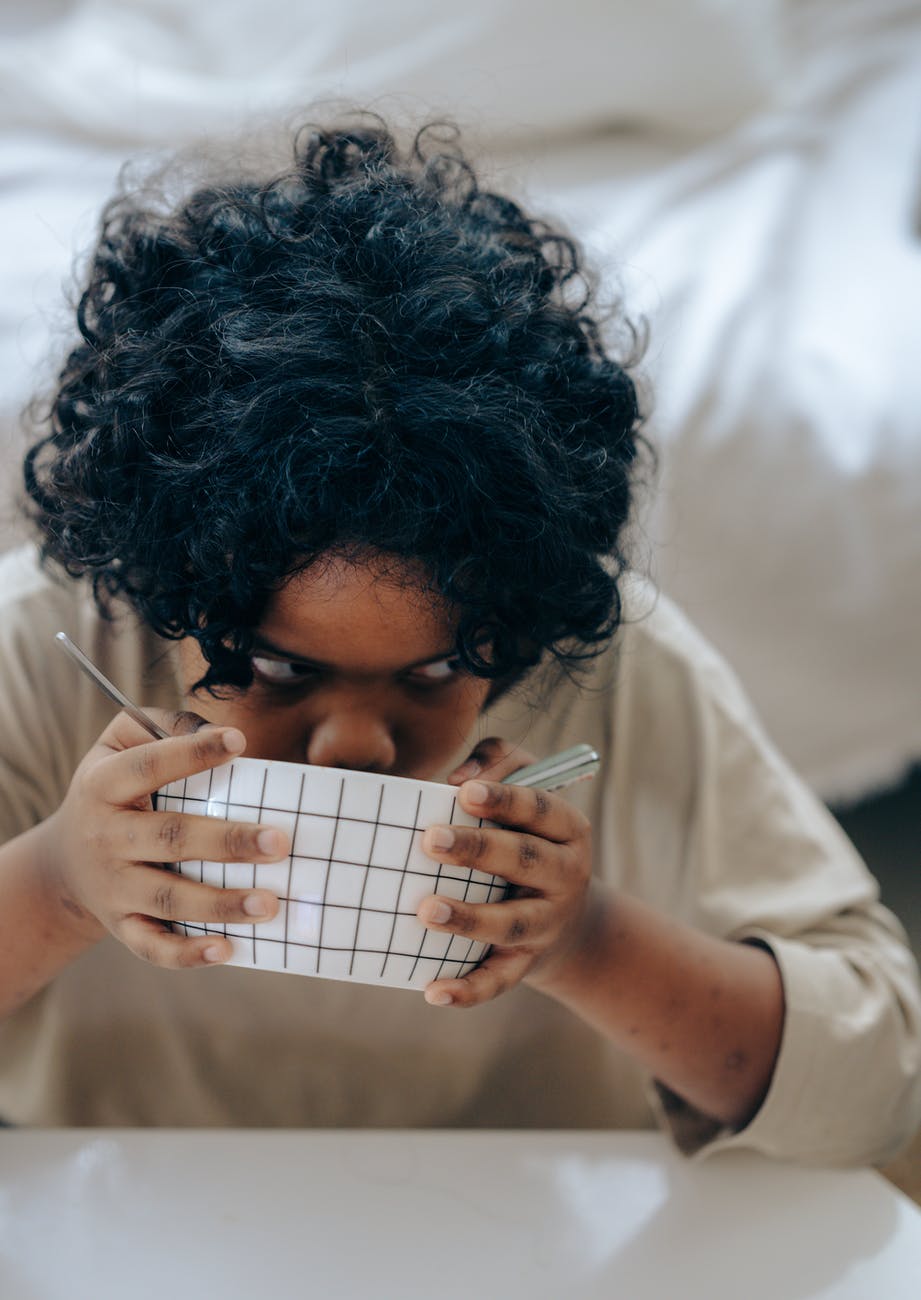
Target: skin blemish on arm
(74,908)
(675,1007)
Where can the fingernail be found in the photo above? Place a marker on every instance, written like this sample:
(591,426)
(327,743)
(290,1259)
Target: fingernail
(271,843)
(234,741)
(213,953)
(468,769)
(477,792)
(439,998)
(256,905)
(439,913)
(442,837)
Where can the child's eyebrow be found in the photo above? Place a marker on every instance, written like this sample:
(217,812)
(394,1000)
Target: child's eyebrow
(262,643)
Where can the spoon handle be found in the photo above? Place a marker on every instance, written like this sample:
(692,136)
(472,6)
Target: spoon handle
(109,688)
(559,770)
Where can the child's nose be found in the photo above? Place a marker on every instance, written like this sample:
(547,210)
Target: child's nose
(353,739)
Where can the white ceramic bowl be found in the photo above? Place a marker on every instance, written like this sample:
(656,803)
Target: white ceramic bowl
(356,874)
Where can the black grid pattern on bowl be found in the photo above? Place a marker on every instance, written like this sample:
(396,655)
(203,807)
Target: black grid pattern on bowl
(321,930)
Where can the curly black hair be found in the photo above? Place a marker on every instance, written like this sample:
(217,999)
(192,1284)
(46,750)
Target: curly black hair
(365,352)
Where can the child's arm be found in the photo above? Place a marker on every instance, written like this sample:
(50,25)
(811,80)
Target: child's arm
(40,933)
(802,1027)
(701,1014)
(92,867)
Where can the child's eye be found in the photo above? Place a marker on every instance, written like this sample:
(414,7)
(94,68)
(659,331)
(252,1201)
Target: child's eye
(280,672)
(442,670)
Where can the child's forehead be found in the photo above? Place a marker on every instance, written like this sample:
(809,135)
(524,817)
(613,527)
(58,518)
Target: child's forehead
(358,569)
(352,610)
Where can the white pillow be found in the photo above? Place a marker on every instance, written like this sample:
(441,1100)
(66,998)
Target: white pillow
(155,71)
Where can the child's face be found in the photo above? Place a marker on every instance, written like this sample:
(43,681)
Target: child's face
(353,669)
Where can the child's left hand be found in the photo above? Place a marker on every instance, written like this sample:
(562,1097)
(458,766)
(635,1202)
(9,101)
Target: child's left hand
(544,850)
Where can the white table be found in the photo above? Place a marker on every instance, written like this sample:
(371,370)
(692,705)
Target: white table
(130,1215)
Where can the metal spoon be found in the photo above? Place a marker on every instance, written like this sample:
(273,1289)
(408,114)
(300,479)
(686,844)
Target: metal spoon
(559,770)
(110,688)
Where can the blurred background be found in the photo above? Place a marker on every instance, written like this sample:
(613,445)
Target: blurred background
(746,177)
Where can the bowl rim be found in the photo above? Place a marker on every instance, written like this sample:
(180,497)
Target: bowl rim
(342,771)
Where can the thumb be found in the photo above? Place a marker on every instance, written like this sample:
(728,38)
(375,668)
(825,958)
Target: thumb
(493,758)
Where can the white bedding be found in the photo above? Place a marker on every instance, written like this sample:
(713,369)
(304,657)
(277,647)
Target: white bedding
(777,258)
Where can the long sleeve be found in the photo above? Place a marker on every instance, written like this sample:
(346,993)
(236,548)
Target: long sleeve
(724,835)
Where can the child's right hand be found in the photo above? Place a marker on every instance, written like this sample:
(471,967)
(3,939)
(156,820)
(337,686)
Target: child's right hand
(104,843)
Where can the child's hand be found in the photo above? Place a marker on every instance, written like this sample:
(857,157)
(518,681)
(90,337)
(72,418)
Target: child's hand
(103,845)
(545,853)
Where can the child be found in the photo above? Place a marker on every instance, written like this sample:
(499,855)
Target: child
(342,458)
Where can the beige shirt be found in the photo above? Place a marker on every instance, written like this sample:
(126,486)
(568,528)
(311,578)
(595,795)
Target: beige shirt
(694,812)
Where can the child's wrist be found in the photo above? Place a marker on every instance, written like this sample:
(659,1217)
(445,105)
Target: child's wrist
(67,914)
(567,976)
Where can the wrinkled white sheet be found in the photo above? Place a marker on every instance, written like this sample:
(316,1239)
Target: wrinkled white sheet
(779,266)
(133,71)
(780,270)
